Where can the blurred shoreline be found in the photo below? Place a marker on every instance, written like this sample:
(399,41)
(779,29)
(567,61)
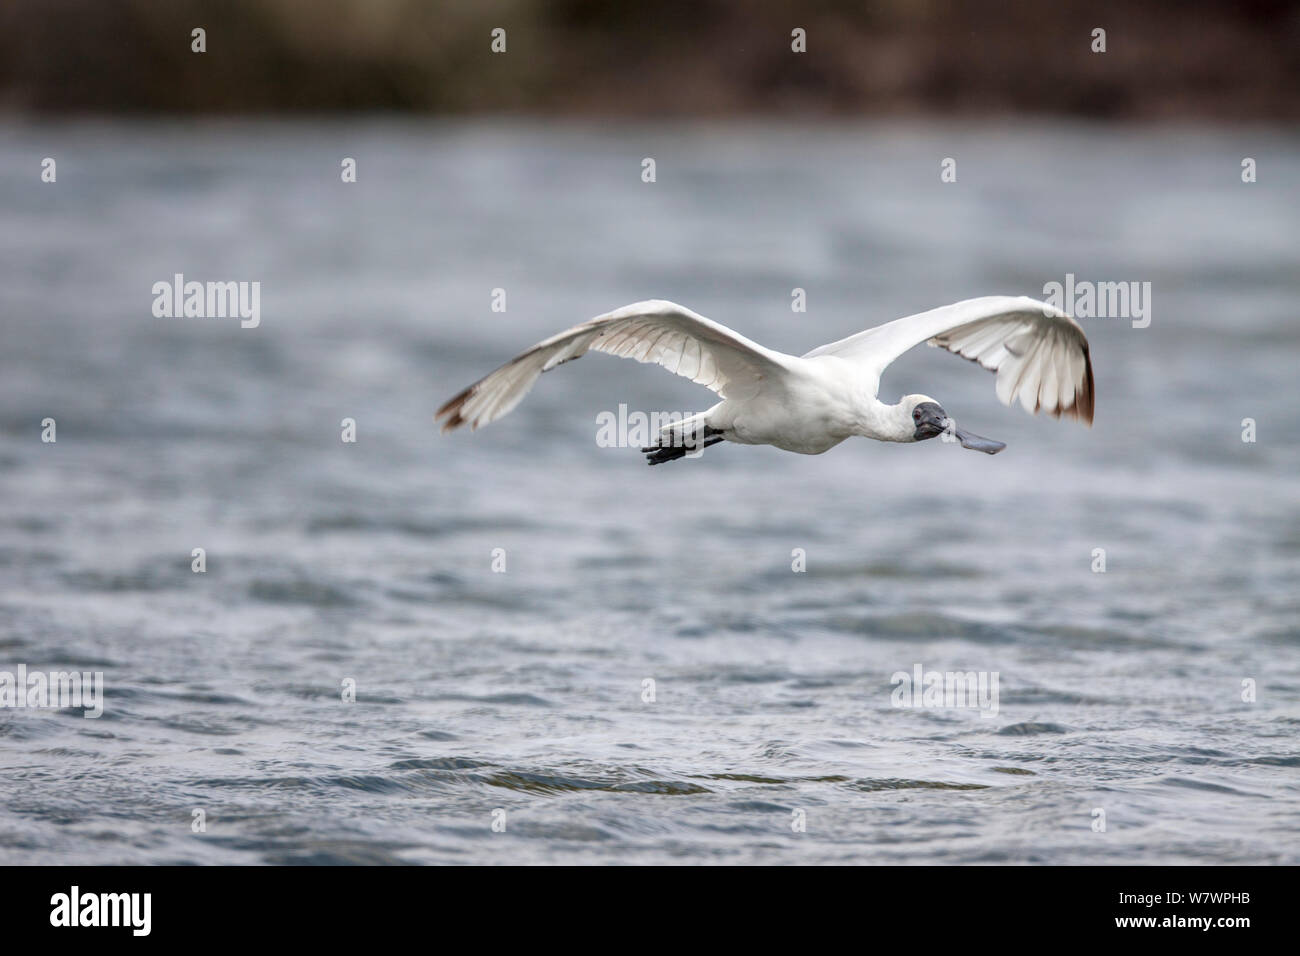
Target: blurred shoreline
(707,59)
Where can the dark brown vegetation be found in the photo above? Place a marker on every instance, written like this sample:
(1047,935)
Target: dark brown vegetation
(1165,58)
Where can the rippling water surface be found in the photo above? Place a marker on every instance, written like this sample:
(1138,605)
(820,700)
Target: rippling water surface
(523,691)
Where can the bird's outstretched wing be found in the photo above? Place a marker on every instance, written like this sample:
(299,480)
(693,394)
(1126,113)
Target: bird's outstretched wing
(1039,353)
(653,331)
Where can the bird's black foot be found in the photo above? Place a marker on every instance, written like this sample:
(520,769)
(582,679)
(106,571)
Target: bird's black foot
(679,447)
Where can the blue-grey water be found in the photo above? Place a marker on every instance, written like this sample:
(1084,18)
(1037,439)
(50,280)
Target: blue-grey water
(1121,693)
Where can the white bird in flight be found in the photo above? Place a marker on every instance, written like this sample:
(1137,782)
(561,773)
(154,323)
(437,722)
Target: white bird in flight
(809,404)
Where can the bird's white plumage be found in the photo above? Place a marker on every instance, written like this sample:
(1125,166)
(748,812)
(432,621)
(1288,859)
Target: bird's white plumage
(812,402)
(1039,353)
(664,333)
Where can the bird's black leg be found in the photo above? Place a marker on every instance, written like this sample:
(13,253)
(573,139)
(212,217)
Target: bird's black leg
(659,453)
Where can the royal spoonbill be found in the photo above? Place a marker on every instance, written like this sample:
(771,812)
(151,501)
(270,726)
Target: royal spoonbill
(811,403)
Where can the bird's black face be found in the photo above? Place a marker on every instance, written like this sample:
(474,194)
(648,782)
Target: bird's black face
(929,419)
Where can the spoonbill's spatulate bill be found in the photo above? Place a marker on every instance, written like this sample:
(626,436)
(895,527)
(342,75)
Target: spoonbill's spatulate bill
(811,403)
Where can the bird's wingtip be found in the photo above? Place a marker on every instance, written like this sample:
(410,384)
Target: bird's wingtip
(452,410)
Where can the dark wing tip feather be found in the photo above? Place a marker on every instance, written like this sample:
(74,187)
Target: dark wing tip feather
(1084,402)
(452,410)
(1081,409)
(454,407)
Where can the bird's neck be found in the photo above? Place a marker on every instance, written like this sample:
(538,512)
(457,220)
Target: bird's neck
(885,422)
